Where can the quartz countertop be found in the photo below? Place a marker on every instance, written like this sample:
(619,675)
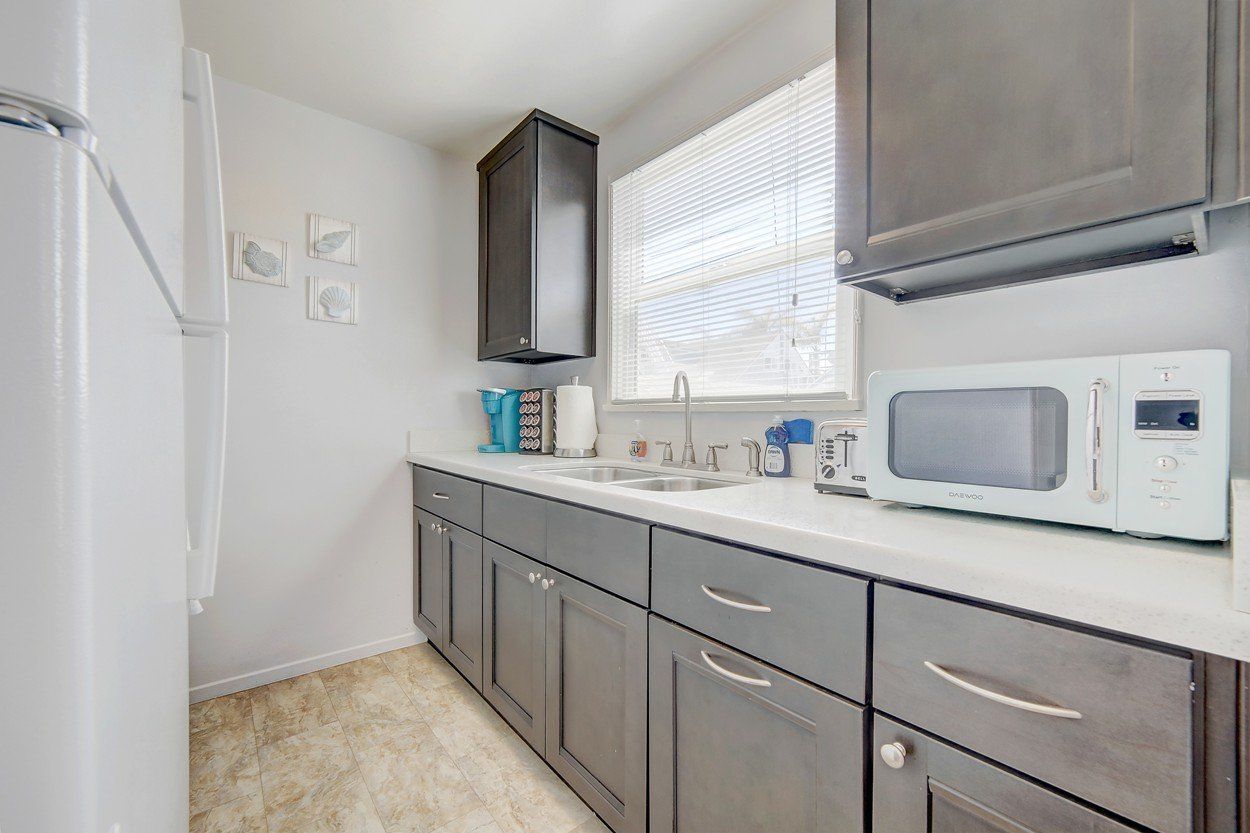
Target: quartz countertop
(1167,590)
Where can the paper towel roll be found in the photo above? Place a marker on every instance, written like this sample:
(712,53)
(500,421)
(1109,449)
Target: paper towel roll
(576,431)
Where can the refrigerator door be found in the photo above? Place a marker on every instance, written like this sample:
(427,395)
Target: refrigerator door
(113,67)
(93,572)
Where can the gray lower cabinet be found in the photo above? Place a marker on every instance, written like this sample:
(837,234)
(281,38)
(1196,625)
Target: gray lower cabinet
(514,650)
(739,746)
(462,601)
(597,699)
(427,576)
(929,787)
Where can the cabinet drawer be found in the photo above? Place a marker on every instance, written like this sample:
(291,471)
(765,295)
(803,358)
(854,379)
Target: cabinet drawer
(450,497)
(610,552)
(516,520)
(1109,722)
(811,622)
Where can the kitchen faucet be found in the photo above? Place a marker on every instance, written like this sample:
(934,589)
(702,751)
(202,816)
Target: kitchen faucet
(681,384)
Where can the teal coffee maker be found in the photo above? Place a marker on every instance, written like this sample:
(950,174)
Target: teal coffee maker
(503,406)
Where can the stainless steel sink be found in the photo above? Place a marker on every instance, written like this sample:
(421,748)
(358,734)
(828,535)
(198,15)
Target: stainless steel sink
(598,474)
(678,484)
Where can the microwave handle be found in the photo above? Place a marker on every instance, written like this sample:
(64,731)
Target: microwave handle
(1093,442)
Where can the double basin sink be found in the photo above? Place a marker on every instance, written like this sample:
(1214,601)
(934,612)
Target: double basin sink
(647,481)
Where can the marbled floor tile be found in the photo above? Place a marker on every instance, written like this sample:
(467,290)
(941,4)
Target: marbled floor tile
(461,719)
(231,710)
(592,825)
(311,783)
(376,711)
(353,674)
(479,821)
(489,768)
(415,784)
(420,669)
(289,707)
(541,803)
(243,815)
(223,766)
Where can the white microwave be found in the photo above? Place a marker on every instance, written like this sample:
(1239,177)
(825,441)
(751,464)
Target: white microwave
(1137,444)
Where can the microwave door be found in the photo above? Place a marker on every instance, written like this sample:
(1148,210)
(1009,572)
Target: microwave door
(1033,440)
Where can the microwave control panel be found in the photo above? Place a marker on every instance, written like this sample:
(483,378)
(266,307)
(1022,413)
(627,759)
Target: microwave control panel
(1174,444)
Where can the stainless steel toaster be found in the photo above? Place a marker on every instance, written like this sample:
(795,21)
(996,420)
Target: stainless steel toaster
(842,457)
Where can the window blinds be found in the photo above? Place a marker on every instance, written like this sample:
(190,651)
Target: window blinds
(722,260)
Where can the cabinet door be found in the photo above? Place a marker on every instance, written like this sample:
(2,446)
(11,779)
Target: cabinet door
(462,600)
(597,699)
(959,128)
(737,745)
(427,576)
(507,186)
(937,789)
(514,653)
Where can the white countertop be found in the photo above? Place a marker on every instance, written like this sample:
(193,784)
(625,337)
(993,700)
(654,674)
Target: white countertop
(1170,591)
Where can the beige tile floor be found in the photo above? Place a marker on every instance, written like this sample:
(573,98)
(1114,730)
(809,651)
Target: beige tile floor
(397,743)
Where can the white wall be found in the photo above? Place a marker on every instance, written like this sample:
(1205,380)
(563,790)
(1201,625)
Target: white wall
(316,538)
(1199,302)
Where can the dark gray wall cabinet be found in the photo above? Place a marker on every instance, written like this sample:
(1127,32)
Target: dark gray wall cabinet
(929,787)
(536,243)
(958,132)
(738,746)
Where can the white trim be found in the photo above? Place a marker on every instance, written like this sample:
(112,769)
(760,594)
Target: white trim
(769,406)
(274,673)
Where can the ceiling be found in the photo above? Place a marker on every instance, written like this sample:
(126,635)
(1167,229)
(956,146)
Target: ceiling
(457,75)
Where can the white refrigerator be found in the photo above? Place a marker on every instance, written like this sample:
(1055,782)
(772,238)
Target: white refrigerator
(108,534)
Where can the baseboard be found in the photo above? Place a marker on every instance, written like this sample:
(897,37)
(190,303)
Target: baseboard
(243,682)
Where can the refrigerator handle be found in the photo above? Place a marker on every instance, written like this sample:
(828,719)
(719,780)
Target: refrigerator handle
(202,543)
(197,89)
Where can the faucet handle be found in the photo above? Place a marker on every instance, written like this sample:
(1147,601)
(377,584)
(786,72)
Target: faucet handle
(710,461)
(668,450)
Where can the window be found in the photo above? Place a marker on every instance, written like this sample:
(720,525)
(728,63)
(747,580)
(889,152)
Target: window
(722,260)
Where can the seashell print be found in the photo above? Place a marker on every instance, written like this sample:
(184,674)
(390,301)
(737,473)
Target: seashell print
(332,241)
(260,261)
(336,300)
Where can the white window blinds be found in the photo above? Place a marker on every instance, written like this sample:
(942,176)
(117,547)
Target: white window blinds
(722,260)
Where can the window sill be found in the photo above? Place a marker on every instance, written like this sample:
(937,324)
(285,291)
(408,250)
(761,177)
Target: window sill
(737,407)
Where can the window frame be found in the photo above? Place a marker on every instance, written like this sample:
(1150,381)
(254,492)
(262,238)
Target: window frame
(848,401)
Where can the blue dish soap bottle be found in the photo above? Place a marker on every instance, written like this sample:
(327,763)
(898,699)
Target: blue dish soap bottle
(777,452)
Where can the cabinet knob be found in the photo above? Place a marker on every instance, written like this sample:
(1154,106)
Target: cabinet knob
(433,527)
(524,340)
(845,258)
(548,583)
(894,755)
(533,577)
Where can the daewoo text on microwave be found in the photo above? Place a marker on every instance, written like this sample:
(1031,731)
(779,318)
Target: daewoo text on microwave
(1137,444)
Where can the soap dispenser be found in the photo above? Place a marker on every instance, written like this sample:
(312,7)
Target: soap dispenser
(777,452)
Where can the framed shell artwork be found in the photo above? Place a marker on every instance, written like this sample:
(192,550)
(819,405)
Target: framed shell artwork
(332,300)
(259,259)
(331,239)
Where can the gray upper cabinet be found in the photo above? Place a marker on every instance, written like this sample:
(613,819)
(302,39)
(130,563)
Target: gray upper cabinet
(514,651)
(536,243)
(738,746)
(597,699)
(965,126)
(462,601)
(929,787)
(427,576)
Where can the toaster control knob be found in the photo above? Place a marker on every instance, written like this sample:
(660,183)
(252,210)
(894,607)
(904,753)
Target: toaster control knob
(1166,463)
(827,472)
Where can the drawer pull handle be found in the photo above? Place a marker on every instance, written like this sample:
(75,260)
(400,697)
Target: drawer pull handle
(1024,705)
(440,496)
(717,597)
(739,678)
